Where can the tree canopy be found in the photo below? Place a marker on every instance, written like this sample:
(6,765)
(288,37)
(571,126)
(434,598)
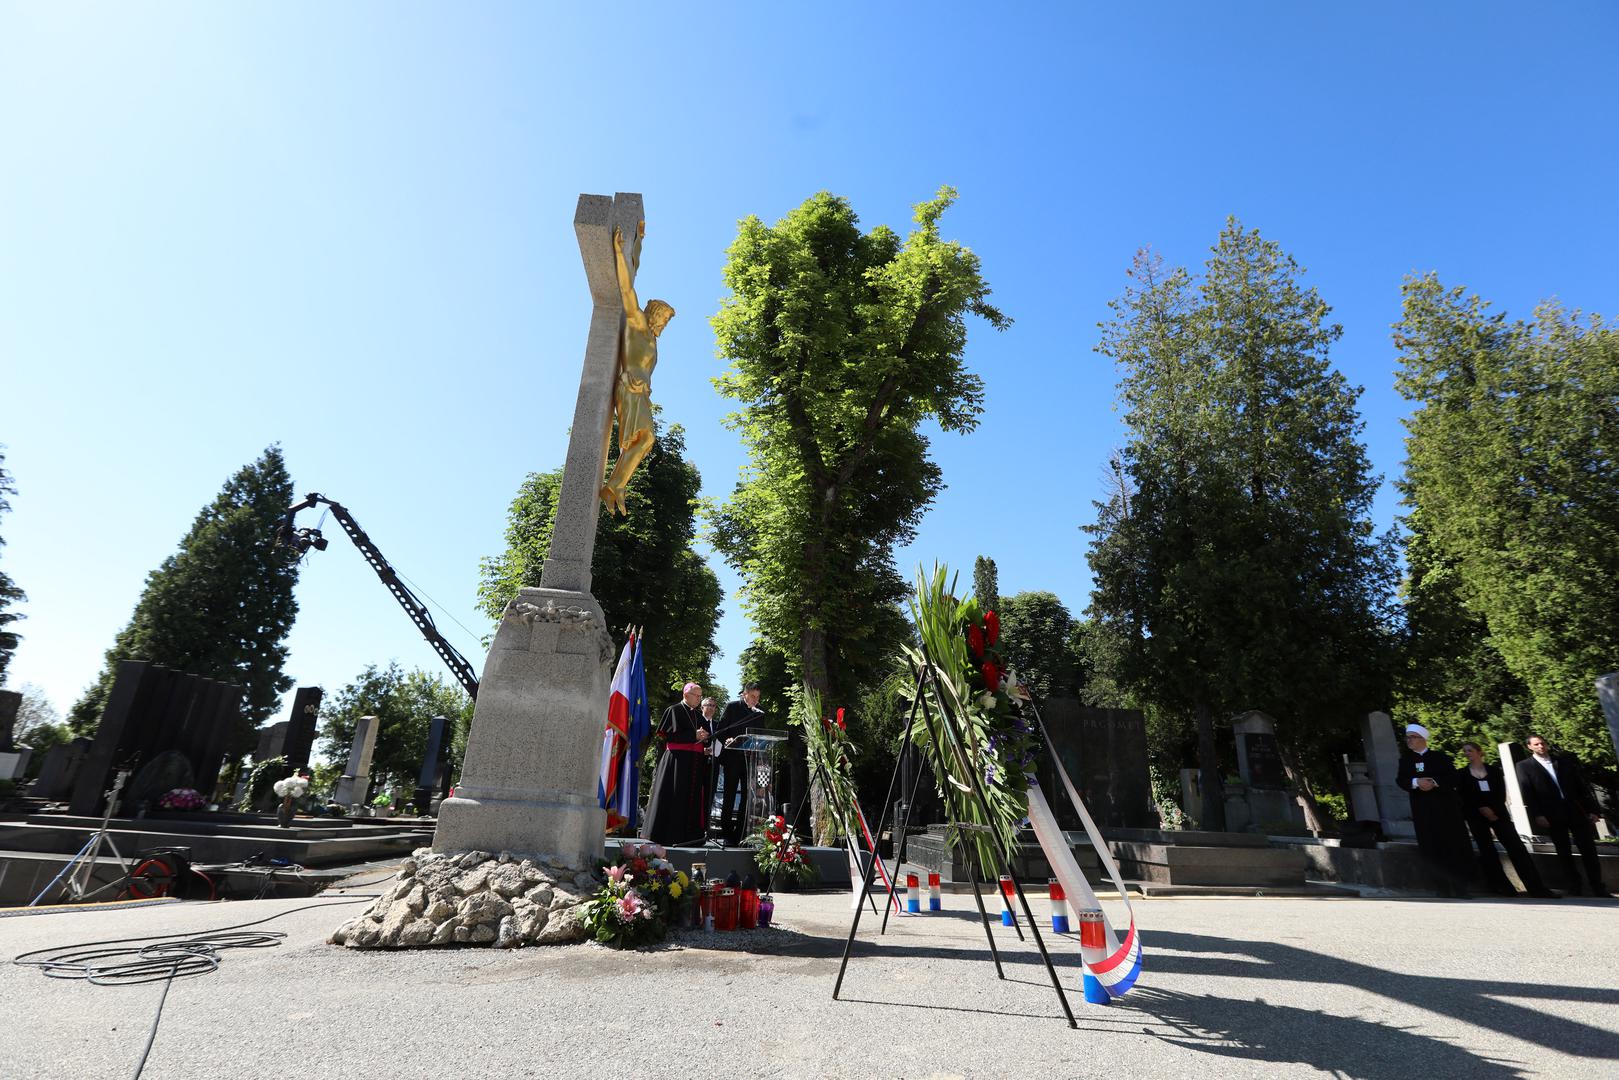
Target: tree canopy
(1512,487)
(841,344)
(1038,639)
(645,569)
(1236,566)
(986,582)
(404,704)
(222,605)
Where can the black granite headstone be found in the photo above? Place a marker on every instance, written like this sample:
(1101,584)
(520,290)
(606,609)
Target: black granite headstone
(1105,753)
(435,778)
(301,725)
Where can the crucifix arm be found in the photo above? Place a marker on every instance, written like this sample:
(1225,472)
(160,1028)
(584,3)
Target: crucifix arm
(626,280)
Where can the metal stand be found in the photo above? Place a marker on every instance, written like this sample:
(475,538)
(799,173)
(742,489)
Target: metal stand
(82,867)
(954,742)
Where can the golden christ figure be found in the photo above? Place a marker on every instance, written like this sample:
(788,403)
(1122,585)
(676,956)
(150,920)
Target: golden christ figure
(637,356)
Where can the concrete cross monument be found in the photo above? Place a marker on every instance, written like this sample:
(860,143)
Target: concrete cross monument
(528,780)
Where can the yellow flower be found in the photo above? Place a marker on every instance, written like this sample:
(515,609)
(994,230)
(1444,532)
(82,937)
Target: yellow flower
(680,876)
(675,890)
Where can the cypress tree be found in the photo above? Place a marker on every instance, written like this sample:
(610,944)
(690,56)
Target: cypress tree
(9,593)
(220,606)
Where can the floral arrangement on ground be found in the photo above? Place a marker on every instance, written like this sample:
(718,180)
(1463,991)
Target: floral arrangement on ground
(987,742)
(780,855)
(829,751)
(643,897)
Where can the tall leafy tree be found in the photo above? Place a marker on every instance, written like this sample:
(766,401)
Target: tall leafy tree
(1242,570)
(841,344)
(222,605)
(10,594)
(1038,639)
(1512,479)
(986,582)
(645,570)
(404,704)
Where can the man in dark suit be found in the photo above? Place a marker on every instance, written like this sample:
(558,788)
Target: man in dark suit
(1558,802)
(738,716)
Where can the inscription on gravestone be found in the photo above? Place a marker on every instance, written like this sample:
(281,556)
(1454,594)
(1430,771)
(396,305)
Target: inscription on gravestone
(1264,761)
(1105,753)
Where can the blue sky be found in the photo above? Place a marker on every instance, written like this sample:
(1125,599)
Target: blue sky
(347,228)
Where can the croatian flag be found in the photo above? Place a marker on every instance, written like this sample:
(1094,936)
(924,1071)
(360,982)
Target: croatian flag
(615,740)
(628,798)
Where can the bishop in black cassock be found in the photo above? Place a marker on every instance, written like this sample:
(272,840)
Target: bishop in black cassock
(675,816)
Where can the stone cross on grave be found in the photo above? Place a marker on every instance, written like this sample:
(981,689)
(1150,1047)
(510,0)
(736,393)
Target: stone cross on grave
(528,780)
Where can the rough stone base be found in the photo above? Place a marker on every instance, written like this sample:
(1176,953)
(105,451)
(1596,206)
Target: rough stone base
(474,898)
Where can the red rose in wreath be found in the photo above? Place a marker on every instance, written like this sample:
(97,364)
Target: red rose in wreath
(992,623)
(841,725)
(992,676)
(975,641)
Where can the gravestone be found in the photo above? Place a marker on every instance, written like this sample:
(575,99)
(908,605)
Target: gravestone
(10,703)
(1510,753)
(271,741)
(434,782)
(60,769)
(355,783)
(1105,753)
(528,780)
(300,737)
(1383,760)
(150,710)
(1608,694)
(1268,796)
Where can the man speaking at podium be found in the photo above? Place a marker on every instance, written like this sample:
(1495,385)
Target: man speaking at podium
(738,716)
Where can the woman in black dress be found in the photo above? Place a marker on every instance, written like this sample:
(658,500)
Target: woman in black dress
(674,817)
(1483,792)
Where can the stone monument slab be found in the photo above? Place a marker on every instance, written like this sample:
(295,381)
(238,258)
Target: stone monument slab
(1105,752)
(355,783)
(1383,760)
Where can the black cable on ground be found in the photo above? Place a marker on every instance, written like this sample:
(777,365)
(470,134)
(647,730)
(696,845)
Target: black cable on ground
(168,957)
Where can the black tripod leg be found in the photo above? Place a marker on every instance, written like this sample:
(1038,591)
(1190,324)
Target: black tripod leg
(904,836)
(983,914)
(854,926)
(1056,983)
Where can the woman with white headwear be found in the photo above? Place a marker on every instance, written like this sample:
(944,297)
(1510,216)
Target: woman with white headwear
(1430,778)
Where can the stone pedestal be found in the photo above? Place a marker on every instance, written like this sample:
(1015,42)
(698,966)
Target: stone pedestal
(1383,760)
(528,783)
(1362,793)
(355,783)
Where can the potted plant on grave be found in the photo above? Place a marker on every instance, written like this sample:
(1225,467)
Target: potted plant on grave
(382,805)
(290,789)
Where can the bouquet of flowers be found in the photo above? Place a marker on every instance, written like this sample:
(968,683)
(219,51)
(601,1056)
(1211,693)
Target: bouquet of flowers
(781,853)
(182,798)
(295,785)
(643,896)
(971,682)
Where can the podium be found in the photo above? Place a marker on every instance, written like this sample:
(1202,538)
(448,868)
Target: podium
(757,743)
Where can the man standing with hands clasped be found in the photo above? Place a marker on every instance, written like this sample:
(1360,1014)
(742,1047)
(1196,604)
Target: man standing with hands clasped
(1555,795)
(1441,837)
(738,716)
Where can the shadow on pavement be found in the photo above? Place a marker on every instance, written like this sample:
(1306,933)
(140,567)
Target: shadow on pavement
(1469,1000)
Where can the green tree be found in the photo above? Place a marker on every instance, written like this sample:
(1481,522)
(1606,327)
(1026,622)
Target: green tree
(1038,638)
(986,582)
(841,344)
(220,606)
(645,569)
(1236,568)
(10,594)
(404,704)
(1512,481)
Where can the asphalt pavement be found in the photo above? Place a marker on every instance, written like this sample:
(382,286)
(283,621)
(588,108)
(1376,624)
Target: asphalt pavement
(1247,987)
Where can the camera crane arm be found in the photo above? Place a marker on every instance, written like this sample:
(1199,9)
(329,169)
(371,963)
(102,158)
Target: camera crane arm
(288,535)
